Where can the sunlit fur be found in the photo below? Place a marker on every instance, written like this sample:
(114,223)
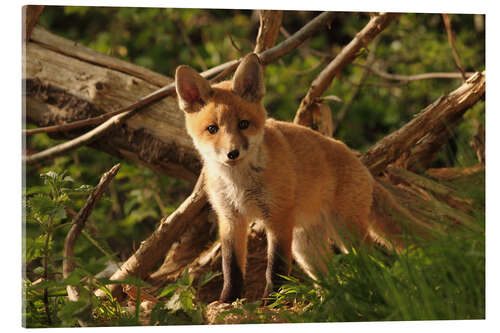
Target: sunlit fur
(308,190)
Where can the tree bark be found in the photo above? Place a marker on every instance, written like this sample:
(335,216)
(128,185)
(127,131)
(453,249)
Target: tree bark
(65,83)
(270,23)
(415,145)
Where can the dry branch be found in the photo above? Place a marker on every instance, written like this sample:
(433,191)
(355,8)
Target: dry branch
(154,248)
(346,56)
(77,227)
(84,139)
(414,145)
(270,22)
(267,56)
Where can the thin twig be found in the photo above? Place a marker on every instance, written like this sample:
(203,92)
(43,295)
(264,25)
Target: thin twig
(309,70)
(268,56)
(77,227)
(451,40)
(346,56)
(415,77)
(305,49)
(233,43)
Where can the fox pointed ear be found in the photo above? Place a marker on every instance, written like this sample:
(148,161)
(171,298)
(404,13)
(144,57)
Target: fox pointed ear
(193,91)
(248,81)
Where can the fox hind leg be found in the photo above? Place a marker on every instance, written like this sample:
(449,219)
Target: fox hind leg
(279,253)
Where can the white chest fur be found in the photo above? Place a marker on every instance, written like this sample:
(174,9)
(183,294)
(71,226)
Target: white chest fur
(238,190)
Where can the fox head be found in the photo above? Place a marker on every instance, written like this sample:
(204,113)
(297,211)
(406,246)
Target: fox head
(226,120)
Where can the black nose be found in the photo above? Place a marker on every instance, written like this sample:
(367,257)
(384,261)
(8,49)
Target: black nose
(233,154)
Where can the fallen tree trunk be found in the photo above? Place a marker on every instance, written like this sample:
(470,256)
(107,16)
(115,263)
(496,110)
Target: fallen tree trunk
(66,82)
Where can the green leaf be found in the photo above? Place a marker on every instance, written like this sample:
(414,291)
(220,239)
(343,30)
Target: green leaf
(59,213)
(41,204)
(69,179)
(207,277)
(169,290)
(186,300)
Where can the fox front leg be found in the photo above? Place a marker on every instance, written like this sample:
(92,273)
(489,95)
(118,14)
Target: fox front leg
(233,235)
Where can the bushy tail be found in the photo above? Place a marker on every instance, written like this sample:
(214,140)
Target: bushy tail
(392,225)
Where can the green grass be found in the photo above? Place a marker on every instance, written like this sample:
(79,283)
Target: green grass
(444,279)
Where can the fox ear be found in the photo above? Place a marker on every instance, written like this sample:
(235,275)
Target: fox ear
(192,89)
(248,81)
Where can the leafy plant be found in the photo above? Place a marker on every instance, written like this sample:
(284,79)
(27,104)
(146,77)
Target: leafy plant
(46,207)
(182,307)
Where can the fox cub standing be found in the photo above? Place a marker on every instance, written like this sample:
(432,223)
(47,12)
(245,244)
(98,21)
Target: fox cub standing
(308,190)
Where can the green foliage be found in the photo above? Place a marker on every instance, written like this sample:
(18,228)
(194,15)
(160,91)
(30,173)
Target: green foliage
(442,280)
(182,307)
(361,287)
(44,289)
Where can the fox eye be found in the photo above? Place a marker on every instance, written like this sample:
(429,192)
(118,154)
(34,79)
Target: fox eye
(243,124)
(212,129)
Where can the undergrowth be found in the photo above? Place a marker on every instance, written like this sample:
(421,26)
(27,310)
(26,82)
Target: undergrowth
(443,278)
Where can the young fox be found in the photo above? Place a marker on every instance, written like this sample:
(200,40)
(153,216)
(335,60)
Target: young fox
(308,190)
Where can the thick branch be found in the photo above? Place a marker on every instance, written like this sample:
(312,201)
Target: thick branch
(346,56)
(157,245)
(415,144)
(270,22)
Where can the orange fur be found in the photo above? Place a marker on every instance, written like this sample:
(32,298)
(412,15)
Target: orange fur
(308,190)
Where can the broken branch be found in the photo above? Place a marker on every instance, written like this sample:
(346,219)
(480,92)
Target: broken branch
(346,56)
(154,248)
(415,144)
